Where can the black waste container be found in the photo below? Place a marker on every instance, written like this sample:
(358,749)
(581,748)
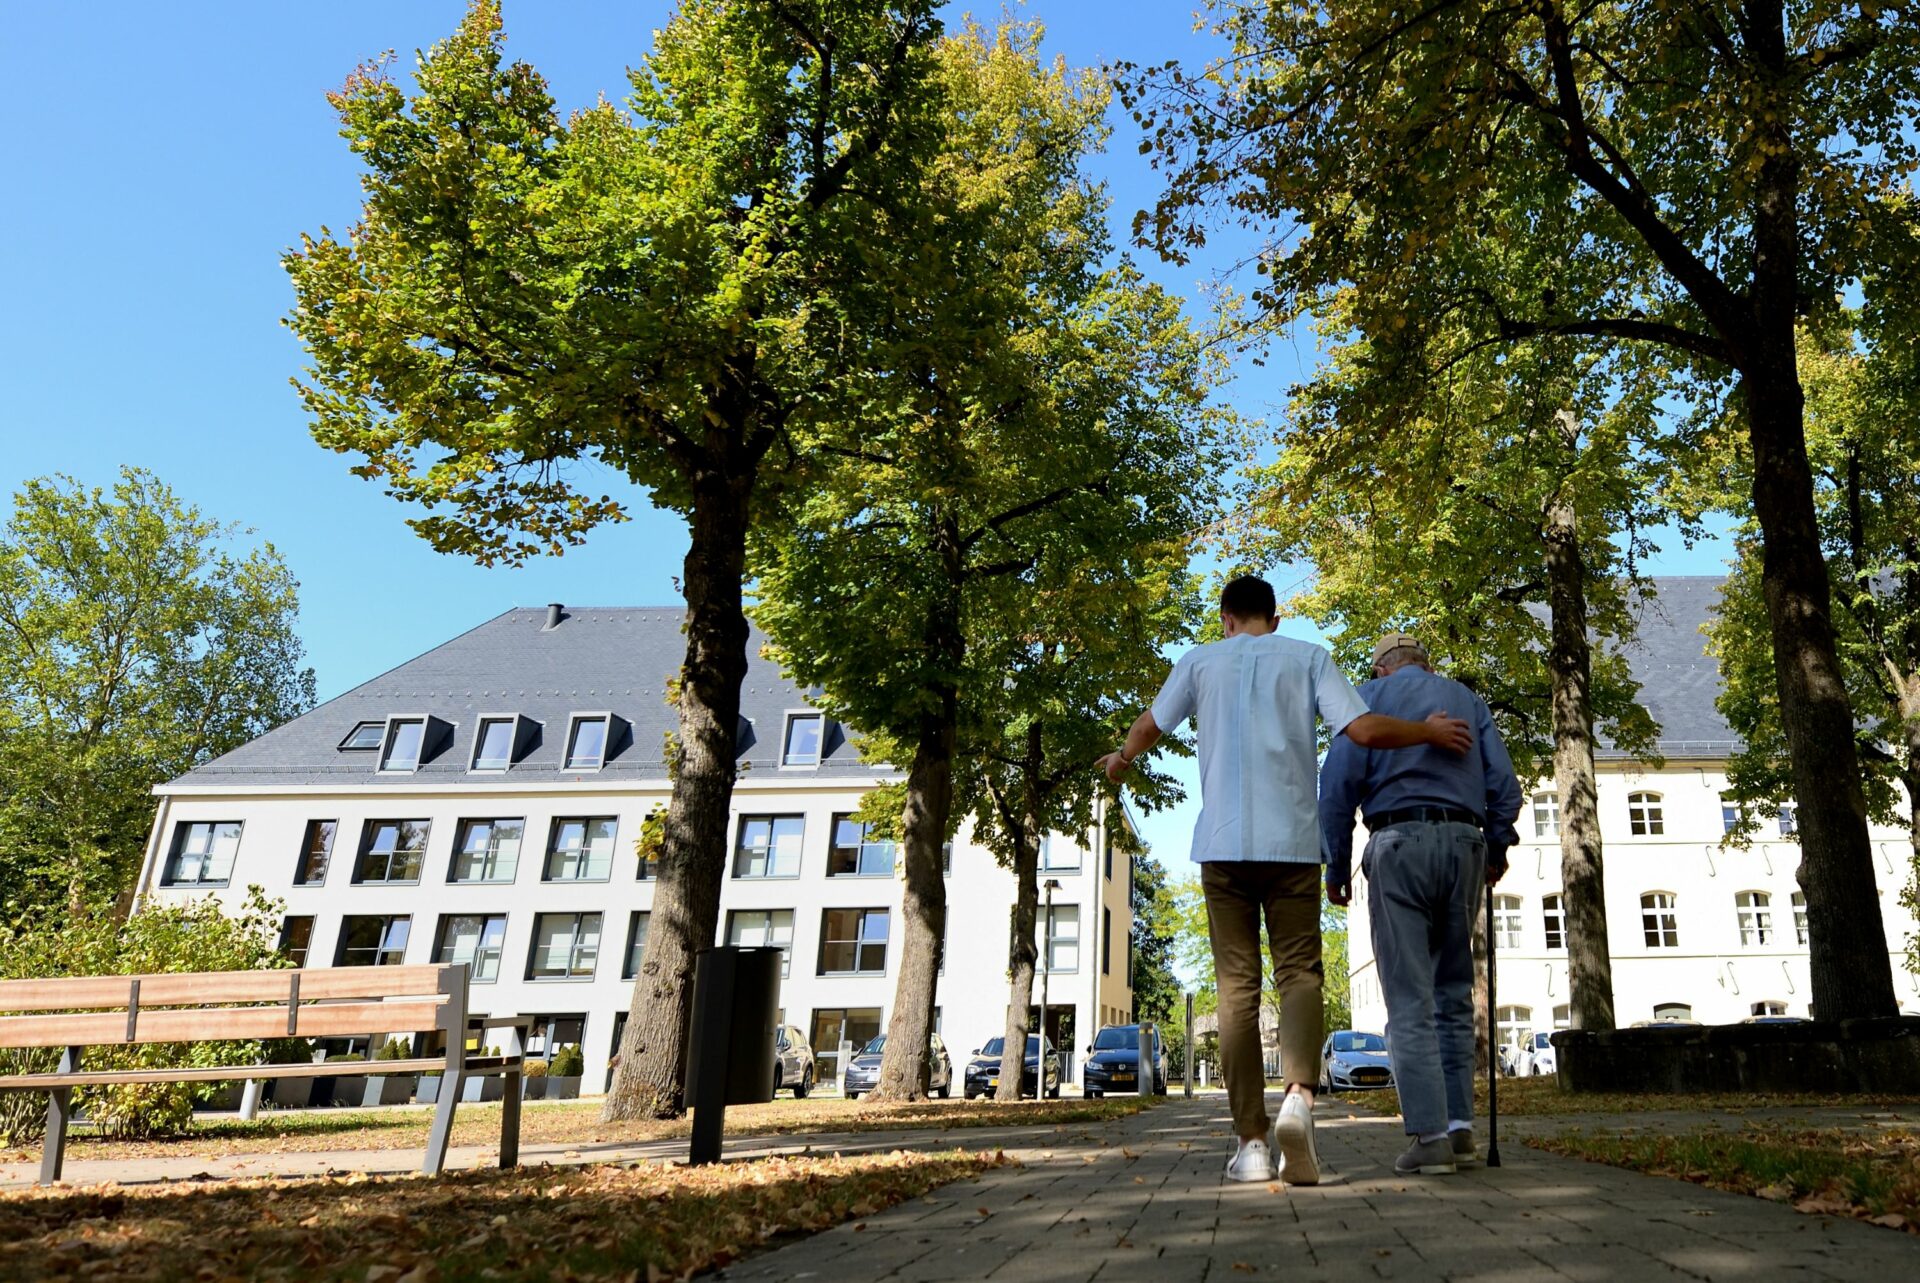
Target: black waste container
(736,997)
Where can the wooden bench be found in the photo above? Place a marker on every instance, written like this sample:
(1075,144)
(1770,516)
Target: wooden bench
(121,1011)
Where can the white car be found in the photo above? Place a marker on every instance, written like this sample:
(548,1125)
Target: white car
(1539,1057)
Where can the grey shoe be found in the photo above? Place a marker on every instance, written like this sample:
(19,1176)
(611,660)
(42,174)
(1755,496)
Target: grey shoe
(1465,1152)
(1432,1158)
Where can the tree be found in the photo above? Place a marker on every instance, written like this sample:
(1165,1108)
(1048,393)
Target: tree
(1157,995)
(1498,517)
(136,642)
(1042,415)
(1687,179)
(1863,389)
(661,290)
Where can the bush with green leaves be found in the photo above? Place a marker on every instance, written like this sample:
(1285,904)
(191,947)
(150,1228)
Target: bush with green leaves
(93,940)
(567,1063)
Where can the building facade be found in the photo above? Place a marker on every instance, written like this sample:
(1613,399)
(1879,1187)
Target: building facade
(1697,930)
(483,803)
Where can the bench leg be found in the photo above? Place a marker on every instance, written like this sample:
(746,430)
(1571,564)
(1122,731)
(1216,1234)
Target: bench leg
(53,1155)
(510,1121)
(451,1085)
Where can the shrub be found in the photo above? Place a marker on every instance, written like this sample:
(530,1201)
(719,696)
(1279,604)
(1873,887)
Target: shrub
(534,1069)
(93,940)
(395,1049)
(567,1063)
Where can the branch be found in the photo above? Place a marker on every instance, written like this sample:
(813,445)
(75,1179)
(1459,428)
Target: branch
(1030,507)
(1637,329)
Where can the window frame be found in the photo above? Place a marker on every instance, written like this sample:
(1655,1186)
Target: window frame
(170,870)
(574,722)
(573,975)
(1787,819)
(474,975)
(1671,1007)
(1048,846)
(1553,920)
(859,849)
(1509,932)
(381,764)
(1051,939)
(586,821)
(772,819)
(639,922)
(286,936)
(512,722)
(1658,920)
(787,722)
(389,919)
(1545,827)
(302,876)
(786,950)
(1798,902)
(367,830)
(1646,814)
(1754,919)
(464,826)
(859,942)
(346,744)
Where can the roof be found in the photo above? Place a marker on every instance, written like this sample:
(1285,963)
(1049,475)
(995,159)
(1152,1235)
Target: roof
(597,660)
(1678,680)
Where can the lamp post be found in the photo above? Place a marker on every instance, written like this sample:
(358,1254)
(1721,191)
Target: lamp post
(1040,1065)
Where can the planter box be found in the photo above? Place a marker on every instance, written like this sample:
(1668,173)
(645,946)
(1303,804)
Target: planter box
(387,1089)
(225,1097)
(350,1092)
(533,1089)
(567,1088)
(479,1090)
(1872,1057)
(292,1093)
(427,1090)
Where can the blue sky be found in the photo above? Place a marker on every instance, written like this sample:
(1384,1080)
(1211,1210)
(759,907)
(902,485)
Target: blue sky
(166,155)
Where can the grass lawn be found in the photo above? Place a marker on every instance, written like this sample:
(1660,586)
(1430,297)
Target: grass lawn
(1874,1177)
(646,1222)
(1542,1098)
(575,1123)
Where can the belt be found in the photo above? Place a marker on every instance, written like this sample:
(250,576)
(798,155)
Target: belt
(1421,815)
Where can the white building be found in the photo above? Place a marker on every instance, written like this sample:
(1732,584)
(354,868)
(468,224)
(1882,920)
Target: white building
(481,804)
(1698,931)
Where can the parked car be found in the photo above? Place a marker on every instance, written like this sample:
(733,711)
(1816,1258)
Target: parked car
(863,1072)
(1113,1062)
(1354,1061)
(1539,1058)
(1784,1020)
(792,1062)
(983,1071)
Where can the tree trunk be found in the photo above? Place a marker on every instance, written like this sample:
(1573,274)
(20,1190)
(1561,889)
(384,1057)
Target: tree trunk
(904,1065)
(651,1078)
(1021,950)
(1847,943)
(1570,663)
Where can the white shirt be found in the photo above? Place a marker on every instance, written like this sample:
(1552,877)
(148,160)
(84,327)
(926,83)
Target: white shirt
(1254,699)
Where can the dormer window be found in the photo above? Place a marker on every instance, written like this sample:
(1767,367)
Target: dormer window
(364,735)
(805,731)
(406,736)
(493,745)
(587,743)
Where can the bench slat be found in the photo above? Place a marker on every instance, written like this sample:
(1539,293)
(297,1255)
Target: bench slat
(220,1073)
(202,988)
(315,1020)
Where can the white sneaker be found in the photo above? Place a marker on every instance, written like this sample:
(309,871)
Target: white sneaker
(1251,1162)
(1293,1141)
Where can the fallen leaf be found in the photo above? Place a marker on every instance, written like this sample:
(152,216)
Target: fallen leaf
(1892,1220)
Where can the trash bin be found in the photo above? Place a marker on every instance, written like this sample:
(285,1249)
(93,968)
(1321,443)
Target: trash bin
(736,997)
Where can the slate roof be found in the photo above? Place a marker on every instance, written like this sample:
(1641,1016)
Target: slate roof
(617,659)
(599,659)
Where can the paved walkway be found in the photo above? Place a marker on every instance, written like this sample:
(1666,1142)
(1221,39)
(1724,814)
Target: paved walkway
(1143,1199)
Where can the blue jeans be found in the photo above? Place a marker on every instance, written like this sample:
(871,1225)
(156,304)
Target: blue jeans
(1424,886)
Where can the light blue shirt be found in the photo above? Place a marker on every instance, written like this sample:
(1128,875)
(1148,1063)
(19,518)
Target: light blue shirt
(1253,700)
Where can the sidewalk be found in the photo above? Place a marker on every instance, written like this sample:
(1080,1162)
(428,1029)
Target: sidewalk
(1143,1199)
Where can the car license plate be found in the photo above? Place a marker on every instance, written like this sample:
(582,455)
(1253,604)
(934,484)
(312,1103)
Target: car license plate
(1370,1076)
(1123,1078)
(993,1082)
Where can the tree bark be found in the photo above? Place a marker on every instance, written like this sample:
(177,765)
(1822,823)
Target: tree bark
(1570,665)
(1022,952)
(651,1078)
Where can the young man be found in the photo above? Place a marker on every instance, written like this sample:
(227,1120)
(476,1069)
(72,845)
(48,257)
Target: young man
(1254,696)
(1440,825)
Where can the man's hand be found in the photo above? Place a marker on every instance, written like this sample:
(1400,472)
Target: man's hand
(1496,865)
(1114,765)
(1447,731)
(1340,893)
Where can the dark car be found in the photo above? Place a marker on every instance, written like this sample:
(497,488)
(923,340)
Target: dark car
(1113,1062)
(792,1062)
(983,1071)
(863,1072)
(1351,1061)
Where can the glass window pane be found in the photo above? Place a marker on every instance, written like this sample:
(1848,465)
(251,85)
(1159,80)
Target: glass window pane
(364,736)
(636,943)
(403,746)
(589,745)
(496,745)
(803,741)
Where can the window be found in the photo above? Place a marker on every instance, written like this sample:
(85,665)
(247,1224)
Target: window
(565,946)
(764,929)
(587,744)
(1060,938)
(1672,1011)
(364,735)
(838,1027)
(1107,849)
(296,937)
(1799,917)
(1732,813)
(493,745)
(1643,815)
(581,850)
(855,853)
(769,846)
(1768,1009)
(1546,815)
(853,942)
(406,736)
(316,850)
(1657,920)
(373,941)
(1553,915)
(802,747)
(1106,940)
(1516,1026)
(548,1034)
(474,939)
(1755,911)
(1059,856)
(1506,921)
(636,943)
(486,851)
(202,853)
(1789,820)
(392,851)
(1563,1017)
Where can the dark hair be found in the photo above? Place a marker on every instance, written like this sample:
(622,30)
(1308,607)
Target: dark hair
(1248,597)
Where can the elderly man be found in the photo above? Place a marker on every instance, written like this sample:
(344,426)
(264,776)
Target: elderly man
(1254,696)
(1441,825)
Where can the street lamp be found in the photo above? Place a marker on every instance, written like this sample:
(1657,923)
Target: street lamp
(1040,1066)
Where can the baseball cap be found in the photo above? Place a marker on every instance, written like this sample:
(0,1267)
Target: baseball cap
(1393,641)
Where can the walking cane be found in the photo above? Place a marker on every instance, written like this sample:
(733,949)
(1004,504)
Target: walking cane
(1493,1047)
